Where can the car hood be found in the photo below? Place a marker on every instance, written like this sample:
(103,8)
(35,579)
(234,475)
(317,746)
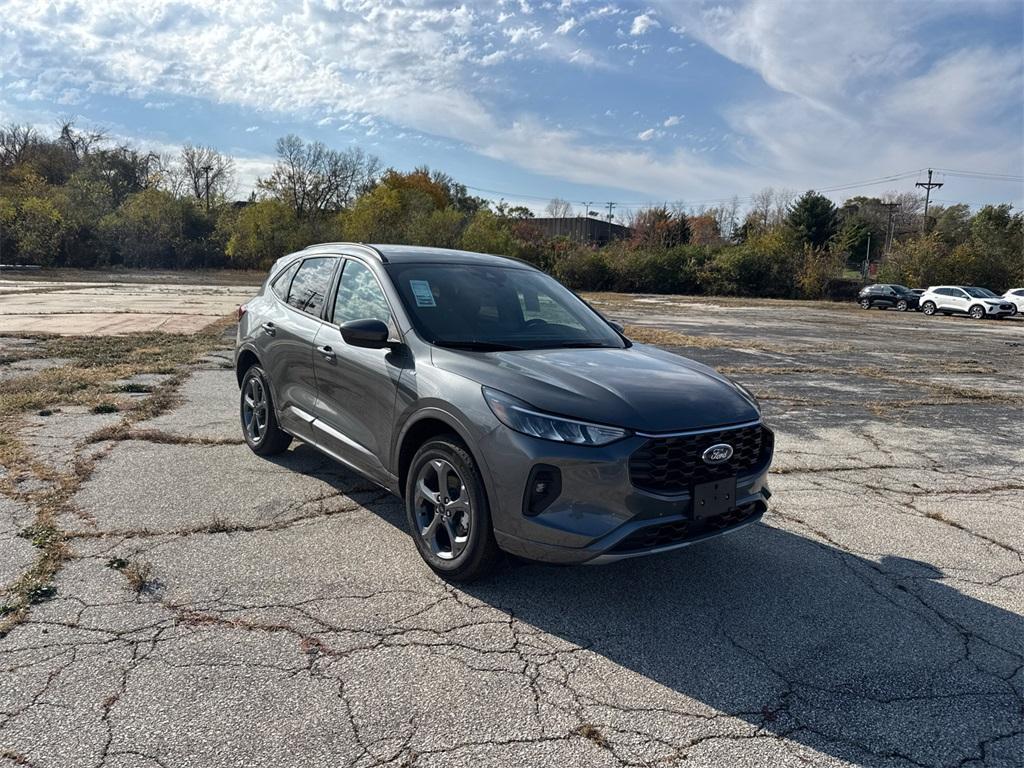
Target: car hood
(641,387)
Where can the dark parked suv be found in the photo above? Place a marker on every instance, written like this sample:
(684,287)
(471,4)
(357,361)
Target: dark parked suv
(888,295)
(505,411)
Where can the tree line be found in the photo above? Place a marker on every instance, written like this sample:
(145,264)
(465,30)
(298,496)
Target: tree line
(77,199)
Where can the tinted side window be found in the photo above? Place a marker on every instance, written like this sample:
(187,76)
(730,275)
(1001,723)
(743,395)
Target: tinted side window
(359,296)
(282,281)
(958,293)
(944,292)
(311,284)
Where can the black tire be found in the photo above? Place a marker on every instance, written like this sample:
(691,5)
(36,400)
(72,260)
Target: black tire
(902,305)
(977,312)
(865,303)
(928,308)
(263,436)
(479,554)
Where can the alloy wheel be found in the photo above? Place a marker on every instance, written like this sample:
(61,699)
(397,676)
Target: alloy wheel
(902,305)
(865,304)
(977,313)
(443,510)
(254,409)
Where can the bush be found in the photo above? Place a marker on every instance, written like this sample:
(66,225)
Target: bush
(766,265)
(657,271)
(260,234)
(585,270)
(38,229)
(842,289)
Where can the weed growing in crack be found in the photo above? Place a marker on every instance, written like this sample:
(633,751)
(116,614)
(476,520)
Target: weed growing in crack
(591,733)
(140,576)
(105,408)
(117,563)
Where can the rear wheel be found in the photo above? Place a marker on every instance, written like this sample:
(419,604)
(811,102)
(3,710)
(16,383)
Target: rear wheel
(928,308)
(259,420)
(448,513)
(902,305)
(977,312)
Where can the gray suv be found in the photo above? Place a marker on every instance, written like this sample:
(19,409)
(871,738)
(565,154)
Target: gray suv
(506,412)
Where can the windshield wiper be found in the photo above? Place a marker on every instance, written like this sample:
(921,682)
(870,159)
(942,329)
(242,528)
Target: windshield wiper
(579,344)
(477,346)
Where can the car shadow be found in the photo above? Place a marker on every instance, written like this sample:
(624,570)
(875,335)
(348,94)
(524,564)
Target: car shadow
(870,661)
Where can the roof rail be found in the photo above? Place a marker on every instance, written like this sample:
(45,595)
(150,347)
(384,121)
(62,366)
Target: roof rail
(369,248)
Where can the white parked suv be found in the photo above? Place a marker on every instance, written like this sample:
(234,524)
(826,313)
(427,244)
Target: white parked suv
(965,300)
(1016,297)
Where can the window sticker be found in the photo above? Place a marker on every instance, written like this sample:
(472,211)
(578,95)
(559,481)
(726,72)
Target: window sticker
(422,293)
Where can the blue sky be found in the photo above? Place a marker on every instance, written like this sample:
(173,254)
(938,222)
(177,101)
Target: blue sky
(589,101)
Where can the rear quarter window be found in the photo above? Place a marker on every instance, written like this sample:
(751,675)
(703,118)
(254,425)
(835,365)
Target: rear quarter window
(281,283)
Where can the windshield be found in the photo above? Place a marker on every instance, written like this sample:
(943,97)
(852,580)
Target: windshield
(981,293)
(488,308)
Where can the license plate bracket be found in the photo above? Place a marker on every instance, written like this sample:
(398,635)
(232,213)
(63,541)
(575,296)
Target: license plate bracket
(715,497)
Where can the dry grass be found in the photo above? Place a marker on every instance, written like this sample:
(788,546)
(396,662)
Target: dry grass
(95,363)
(139,574)
(591,733)
(648,334)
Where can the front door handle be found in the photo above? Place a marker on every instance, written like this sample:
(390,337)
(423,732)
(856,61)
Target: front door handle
(269,328)
(326,351)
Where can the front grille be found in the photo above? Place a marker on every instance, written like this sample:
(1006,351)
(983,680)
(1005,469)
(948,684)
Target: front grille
(678,531)
(673,464)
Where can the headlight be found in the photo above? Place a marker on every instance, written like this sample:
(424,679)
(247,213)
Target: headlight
(517,415)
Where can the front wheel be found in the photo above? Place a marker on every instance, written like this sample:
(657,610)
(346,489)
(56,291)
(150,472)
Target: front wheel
(259,420)
(902,305)
(977,312)
(865,303)
(449,517)
(928,308)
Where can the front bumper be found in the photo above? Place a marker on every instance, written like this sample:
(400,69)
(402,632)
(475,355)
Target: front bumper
(600,516)
(1004,310)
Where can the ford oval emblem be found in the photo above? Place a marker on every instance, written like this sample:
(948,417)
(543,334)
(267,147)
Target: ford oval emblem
(717,454)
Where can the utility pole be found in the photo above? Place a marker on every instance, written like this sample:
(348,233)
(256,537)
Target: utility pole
(928,187)
(610,217)
(890,227)
(206,171)
(585,224)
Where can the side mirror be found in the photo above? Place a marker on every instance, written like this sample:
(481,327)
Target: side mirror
(371,334)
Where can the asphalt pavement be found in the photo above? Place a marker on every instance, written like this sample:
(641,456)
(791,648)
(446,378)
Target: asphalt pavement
(220,609)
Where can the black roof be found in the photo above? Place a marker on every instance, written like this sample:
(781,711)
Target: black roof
(421,254)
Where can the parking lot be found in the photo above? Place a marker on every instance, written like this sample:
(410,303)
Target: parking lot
(212,608)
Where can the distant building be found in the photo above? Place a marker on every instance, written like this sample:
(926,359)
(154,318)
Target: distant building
(581,229)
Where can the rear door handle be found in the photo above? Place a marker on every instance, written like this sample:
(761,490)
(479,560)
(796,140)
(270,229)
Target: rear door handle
(269,328)
(326,352)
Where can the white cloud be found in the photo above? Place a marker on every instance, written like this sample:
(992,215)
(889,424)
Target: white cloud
(672,120)
(252,129)
(517,35)
(844,104)
(643,24)
(566,26)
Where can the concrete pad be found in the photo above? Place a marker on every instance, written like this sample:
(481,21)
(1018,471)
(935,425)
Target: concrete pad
(115,308)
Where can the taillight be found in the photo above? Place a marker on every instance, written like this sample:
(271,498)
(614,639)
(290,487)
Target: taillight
(240,311)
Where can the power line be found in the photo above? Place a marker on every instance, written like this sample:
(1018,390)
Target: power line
(746,199)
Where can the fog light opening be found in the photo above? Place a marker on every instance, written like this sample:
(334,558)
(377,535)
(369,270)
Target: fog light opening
(542,488)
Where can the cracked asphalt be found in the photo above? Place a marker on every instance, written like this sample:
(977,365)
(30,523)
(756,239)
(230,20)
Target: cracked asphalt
(219,609)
